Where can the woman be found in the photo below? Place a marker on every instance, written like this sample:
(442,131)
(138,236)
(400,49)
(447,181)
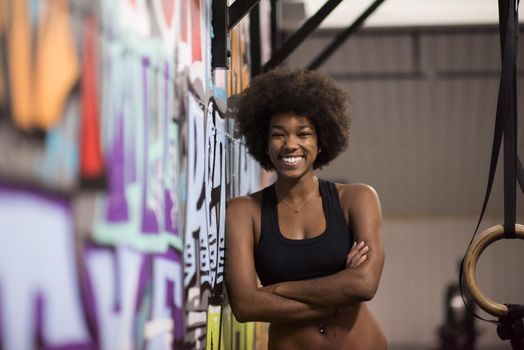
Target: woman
(316,246)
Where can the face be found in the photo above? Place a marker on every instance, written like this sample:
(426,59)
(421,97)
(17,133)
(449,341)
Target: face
(292,144)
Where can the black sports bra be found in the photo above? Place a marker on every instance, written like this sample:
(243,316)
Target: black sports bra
(279,259)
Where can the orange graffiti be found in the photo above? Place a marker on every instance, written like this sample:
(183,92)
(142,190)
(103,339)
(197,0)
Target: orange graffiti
(19,52)
(39,94)
(239,71)
(57,66)
(3,32)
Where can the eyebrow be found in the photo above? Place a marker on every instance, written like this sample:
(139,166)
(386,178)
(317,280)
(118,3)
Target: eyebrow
(303,126)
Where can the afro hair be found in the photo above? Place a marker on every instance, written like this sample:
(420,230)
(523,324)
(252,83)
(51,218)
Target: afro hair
(305,93)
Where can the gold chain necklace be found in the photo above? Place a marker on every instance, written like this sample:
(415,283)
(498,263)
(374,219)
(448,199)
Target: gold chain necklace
(296,209)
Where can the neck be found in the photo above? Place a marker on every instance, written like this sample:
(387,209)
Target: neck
(296,189)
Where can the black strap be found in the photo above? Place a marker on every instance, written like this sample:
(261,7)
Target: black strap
(509,25)
(505,125)
(505,122)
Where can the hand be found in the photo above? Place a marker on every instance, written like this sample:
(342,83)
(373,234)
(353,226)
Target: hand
(357,255)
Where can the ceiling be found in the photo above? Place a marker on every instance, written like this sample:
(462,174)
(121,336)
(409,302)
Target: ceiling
(396,13)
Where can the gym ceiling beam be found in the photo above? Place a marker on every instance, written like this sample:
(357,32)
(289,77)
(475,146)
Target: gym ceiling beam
(301,34)
(339,40)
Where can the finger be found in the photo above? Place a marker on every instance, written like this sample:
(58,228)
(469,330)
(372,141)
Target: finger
(356,247)
(349,258)
(358,262)
(359,258)
(352,251)
(355,254)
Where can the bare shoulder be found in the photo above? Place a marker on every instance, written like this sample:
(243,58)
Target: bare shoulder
(357,193)
(243,214)
(245,205)
(361,204)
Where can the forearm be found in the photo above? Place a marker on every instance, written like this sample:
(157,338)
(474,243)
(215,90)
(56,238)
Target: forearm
(338,290)
(265,306)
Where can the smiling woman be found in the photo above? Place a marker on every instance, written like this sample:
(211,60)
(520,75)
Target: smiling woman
(316,246)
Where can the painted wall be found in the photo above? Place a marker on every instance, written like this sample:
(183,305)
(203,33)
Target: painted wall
(116,161)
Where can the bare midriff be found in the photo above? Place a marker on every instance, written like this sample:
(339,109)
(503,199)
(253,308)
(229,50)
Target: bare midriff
(352,328)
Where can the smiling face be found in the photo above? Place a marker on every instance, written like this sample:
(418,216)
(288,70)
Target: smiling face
(292,144)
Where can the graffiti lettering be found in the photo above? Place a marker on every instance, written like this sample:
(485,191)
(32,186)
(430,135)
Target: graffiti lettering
(37,273)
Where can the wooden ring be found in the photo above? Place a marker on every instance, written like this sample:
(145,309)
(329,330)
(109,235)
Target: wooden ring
(469,267)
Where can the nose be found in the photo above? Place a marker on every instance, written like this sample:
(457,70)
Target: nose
(291,142)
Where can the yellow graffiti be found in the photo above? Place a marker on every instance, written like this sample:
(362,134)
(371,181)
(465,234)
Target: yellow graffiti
(224,332)
(225,339)
(213,327)
(243,334)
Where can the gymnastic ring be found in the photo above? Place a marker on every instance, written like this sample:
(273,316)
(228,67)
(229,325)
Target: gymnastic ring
(469,268)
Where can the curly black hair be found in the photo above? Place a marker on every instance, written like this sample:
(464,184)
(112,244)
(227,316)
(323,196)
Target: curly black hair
(306,93)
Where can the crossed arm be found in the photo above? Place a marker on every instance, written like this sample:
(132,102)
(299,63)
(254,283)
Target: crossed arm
(314,298)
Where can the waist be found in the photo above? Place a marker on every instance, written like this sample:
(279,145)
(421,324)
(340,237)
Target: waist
(352,328)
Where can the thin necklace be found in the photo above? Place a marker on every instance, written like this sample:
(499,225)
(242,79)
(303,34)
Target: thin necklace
(296,209)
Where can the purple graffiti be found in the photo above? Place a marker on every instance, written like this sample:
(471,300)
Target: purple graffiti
(149,220)
(116,202)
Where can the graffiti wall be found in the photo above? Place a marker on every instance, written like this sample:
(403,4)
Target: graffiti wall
(117,156)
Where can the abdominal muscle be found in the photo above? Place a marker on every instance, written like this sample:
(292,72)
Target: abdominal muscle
(353,327)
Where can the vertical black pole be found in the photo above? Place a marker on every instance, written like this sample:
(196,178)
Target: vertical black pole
(274,26)
(219,22)
(254,33)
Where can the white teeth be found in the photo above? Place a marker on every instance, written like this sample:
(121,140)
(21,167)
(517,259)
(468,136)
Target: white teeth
(291,160)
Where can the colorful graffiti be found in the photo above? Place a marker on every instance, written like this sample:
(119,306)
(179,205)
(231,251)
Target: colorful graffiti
(116,162)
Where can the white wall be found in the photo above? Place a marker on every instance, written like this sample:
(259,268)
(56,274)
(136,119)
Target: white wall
(421,260)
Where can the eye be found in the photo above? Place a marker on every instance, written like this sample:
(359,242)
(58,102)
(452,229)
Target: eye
(276,134)
(305,134)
